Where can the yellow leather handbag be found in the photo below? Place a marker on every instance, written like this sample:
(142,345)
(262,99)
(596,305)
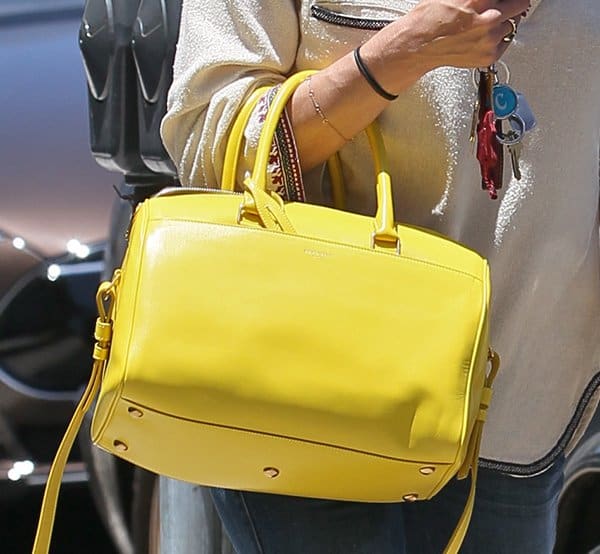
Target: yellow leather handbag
(290,348)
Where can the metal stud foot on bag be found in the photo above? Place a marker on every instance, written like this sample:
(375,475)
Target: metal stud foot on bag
(271,472)
(427,470)
(410,497)
(120,446)
(134,412)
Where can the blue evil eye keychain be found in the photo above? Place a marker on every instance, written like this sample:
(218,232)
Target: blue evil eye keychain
(505,100)
(512,105)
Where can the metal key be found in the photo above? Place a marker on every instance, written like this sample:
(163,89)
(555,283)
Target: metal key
(474,121)
(515,157)
(512,139)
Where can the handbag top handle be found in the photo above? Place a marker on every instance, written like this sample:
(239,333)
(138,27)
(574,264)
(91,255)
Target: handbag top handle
(236,135)
(234,148)
(385,229)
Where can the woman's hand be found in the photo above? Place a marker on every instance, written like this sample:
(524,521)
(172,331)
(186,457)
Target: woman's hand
(466,33)
(459,33)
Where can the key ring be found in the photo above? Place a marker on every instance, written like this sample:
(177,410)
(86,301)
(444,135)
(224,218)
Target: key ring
(515,134)
(493,69)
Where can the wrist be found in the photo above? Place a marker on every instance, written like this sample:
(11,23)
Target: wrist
(368,76)
(396,56)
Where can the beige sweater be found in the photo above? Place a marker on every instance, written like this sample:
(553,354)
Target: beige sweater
(540,236)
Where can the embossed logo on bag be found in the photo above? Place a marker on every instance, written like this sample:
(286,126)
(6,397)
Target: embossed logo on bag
(316,253)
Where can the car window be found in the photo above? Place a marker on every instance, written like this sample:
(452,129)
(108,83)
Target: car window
(16,8)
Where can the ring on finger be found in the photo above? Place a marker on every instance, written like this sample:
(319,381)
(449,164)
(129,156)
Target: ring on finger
(509,37)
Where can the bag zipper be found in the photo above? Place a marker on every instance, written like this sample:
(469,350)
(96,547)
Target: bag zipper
(336,18)
(177,191)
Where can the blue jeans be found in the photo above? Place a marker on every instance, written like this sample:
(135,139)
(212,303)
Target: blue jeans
(512,515)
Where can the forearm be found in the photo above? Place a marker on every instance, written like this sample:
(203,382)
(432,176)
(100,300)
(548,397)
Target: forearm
(345,97)
(459,33)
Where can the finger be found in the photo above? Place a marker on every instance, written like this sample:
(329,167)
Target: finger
(513,8)
(506,9)
(507,30)
(502,47)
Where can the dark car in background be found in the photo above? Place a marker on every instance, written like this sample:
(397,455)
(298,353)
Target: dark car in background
(54,213)
(58,239)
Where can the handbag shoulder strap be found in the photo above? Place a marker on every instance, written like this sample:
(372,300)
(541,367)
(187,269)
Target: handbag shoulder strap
(470,463)
(48,510)
(102,335)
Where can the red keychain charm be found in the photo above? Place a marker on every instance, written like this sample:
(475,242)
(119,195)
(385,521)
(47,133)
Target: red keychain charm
(490,151)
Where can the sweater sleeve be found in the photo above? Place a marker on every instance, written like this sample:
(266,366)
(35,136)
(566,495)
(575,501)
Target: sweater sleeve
(226,49)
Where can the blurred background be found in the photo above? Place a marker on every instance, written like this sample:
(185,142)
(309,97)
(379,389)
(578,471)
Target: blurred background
(54,221)
(83,89)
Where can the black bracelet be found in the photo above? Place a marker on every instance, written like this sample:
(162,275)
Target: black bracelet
(370,79)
